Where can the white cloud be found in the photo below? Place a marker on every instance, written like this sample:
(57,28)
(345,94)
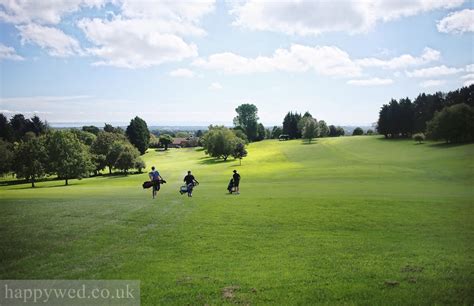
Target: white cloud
(370,82)
(39,11)
(468,82)
(468,76)
(432,83)
(8,53)
(324,60)
(433,72)
(402,61)
(181,72)
(133,43)
(215,86)
(310,17)
(470,68)
(55,41)
(457,22)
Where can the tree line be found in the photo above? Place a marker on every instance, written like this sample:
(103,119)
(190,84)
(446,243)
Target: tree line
(30,149)
(439,116)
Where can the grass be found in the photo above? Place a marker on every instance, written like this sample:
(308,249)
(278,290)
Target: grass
(351,220)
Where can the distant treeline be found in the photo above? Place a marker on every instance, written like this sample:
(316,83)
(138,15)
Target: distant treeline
(447,116)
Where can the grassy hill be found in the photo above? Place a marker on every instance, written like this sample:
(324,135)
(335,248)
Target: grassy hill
(344,220)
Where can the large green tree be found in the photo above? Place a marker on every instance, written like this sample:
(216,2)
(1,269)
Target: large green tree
(101,148)
(453,124)
(247,118)
(310,129)
(127,157)
(166,140)
(68,157)
(30,160)
(138,134)
(290,125)
(6,156)
(220,142)
(6,131)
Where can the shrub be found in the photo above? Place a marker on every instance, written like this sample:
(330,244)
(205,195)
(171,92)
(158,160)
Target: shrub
(419,137)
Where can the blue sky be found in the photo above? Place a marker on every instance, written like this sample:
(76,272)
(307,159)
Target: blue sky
(193,63)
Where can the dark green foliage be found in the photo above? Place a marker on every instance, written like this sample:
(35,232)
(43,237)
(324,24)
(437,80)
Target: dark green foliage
(30,160)
(19,125)
(290,125)
(198,133)
(276,132)
(357,131)
(247,119)
(239,132)
(220,142)
(139,165)
(453,124)
(110,129)
(6,131)
(127,157)
(239,151)
(37,126)
(101,149)
(138,134)
(323,128)
(166,140)
(91,129)
(68,157)
(6,156)
(86,138)
(335,131)
(260,132)
(369,132)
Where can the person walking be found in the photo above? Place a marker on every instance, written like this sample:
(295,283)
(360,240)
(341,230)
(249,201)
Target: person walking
(156,179)
(190,181)
(236,178)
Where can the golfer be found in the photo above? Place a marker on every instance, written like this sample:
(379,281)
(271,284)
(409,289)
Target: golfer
(190,181)
(155,178)
(236,178)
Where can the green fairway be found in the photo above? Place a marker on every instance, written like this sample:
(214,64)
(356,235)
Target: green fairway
(359,220)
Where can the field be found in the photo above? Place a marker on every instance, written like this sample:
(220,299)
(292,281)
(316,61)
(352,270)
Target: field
(355,220)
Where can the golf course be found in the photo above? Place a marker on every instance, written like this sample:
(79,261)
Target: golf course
(342,220)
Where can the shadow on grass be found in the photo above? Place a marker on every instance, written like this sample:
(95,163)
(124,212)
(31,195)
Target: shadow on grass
(213,161)
(446,145)
(306,143)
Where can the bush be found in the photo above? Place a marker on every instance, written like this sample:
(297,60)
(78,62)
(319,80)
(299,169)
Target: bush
(358,131)
(419,137)
(452,124)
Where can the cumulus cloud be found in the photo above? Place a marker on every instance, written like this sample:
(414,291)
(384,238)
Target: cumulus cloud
(133,43)
(324,60)
(55,41)
(432,83)
(470,68)
(457,22)
(468,82)
(370,82)
(215,86)
(433,72)
(181,72)
(9,53)
(42,12)
(403,61)
(309,17)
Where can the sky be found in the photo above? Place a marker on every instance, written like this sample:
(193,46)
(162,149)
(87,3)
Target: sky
(193,62)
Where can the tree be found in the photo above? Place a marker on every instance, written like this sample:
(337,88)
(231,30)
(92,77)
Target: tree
(220,142)
(239,151)
(310,129)
(110,129)
(6,156)
(199,133)
(19,125)
(68,157)
(453,124)
(139,165)
(37,126)
(127,157)
(323,128)
(30,160)
(101,148)
(357,131)
(260,132)
(86,138)
(182,134)
(290,125)
(166,140)
(239,132)
(340,131)
(138,134)
(276,132)
(91,129)
(6,131)
(418,137)
(247,119)
(369,132)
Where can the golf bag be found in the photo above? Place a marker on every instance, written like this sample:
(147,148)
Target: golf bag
(186,188)
(149,184)
(230,186)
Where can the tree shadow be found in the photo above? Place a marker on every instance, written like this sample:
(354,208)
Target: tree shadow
(446,145)
(213,161)
(305,143)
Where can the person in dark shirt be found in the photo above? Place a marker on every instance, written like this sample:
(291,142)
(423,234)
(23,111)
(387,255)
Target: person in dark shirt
(190,181)
(236,178)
